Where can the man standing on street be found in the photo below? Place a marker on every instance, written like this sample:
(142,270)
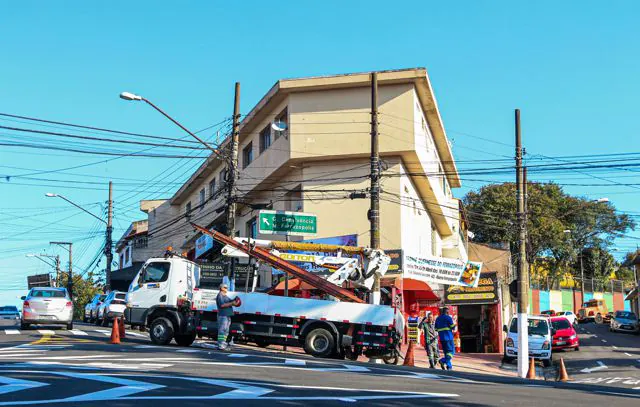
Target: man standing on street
(430,340)
(444,326)
(225,312)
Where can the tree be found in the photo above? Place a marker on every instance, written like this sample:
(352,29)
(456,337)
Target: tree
(559,226)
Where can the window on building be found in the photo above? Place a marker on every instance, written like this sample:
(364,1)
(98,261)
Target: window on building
(203,198)
(247,155)
(293,200)
(212,188)
(187,210)
(284,118)
(265,138)
(252,228)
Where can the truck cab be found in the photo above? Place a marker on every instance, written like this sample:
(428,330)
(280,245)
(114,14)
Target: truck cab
(155,299)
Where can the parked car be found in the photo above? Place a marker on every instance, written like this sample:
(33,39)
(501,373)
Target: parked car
(569,315)
(112,307)
(9,315)
(48,306)
(540,335)
(624,321)
(91,309)
(549,313)
(593,311)
(565,336)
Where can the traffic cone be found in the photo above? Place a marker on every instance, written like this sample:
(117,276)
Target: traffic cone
(562,374)
(531,374)
(121,331)
(408,358)
(115,332)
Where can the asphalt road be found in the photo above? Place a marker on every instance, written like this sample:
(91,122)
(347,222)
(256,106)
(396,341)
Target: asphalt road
(610,358)
(80,368)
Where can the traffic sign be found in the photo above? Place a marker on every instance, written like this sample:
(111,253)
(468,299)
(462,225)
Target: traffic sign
(287,223)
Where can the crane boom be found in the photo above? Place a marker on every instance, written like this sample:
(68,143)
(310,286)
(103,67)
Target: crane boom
(278,263)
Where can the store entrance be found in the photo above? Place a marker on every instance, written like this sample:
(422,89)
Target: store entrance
(471,326)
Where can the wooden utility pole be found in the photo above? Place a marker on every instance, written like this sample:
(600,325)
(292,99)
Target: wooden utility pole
(232,177)
(109,241)
(57,270)
(523,275)
(374,210)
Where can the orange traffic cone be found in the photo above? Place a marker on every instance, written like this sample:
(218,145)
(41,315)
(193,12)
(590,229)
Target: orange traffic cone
(562,375)
(121,331)
(115,332)
(531,374)
(408,358)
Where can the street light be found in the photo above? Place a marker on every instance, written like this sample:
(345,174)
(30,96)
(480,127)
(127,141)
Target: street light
(52,195)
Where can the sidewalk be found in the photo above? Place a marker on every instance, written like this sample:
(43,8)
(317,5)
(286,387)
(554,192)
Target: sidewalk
(488,363)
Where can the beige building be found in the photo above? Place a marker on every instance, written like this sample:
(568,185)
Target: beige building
(322,157)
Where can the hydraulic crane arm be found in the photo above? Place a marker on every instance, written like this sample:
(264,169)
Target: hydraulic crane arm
(276,262)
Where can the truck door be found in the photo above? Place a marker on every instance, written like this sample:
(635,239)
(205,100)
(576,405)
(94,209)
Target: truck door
(150,289)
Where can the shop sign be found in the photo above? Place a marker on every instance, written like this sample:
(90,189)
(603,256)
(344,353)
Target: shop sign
(213,273)
(203,244)
(441,270)
(485,293)
(396,261)
(314,261)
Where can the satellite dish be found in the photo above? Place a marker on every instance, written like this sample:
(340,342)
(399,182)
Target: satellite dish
(279,126)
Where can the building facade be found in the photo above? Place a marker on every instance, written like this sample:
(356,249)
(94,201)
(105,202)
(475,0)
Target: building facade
(321,159)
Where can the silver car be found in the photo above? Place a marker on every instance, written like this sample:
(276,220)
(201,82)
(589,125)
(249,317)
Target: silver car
(47,306)
(91,309)
(624,321)
(112,307)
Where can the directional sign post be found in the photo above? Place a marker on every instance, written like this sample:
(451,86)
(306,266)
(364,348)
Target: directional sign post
(287,223)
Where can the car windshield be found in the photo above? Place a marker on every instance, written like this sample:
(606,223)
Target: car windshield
(625,315)
(48,294)
(560,324)
(536,326)
(591,303)
(9,309)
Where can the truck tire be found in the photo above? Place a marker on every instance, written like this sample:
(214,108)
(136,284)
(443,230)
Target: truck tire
(261,342)
(161,331)
(599,319)
(185,340)
(319,343)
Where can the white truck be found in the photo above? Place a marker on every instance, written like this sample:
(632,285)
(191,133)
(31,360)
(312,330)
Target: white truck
(165,297)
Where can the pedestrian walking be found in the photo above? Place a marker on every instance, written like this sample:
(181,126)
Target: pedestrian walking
(444,326)
(430,339)
(225,312)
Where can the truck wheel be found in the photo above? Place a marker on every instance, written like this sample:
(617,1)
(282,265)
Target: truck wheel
(262,343)
(161,331)
(599,319)
(319,343)
(391,359)
(69,326)
(185,340)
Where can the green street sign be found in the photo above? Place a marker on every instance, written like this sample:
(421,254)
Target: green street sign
(287,223)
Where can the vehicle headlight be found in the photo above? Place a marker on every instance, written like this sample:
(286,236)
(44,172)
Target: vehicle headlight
(546,345)
(510,342)
(573,337)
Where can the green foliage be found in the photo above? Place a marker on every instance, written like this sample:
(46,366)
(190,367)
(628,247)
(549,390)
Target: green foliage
(550,212)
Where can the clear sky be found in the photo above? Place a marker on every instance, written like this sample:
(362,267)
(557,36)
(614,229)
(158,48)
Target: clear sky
(571,66)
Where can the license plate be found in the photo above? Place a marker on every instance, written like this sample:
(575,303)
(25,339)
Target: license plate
(560,343)
(46,316)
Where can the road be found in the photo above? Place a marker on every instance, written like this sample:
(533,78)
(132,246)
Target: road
(80,368)
(611,358)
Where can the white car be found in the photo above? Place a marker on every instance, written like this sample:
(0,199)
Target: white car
(9,315)
(112,307)
(47,306)
(540,339)
(91,309)
(569,315)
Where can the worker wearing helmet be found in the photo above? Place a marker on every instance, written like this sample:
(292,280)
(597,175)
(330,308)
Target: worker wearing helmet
(444,326)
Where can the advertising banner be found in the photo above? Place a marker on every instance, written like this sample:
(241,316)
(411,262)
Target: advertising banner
(485,293)
(441,270)
(39,280)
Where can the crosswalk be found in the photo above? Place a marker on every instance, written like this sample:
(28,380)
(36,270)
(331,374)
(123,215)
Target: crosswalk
(72,332)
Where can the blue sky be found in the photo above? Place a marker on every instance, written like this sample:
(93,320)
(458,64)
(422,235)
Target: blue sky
(571,67)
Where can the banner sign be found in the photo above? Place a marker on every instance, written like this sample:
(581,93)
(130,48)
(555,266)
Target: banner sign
(312,261)
(203,244)
(441,270)
(485,293)
(211,274)
(39,280)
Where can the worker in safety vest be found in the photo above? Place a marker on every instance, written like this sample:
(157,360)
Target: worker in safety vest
(444,326)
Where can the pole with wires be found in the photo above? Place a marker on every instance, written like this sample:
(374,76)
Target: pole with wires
(523,275)
(374,210)
(109,243)
(232,175)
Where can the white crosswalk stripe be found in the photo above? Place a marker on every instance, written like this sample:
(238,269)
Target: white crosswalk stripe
(78,332)
(12,332)
(46,332)
(104,332)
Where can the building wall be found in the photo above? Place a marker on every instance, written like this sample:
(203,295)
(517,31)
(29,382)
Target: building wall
(569,300)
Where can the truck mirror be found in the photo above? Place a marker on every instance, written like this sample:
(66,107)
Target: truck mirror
(24,297)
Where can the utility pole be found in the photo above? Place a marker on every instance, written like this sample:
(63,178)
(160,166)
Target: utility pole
(582,274)
(523,275)
(57,270)
(232,177)
(374,210)
(70,275)
(108,244)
